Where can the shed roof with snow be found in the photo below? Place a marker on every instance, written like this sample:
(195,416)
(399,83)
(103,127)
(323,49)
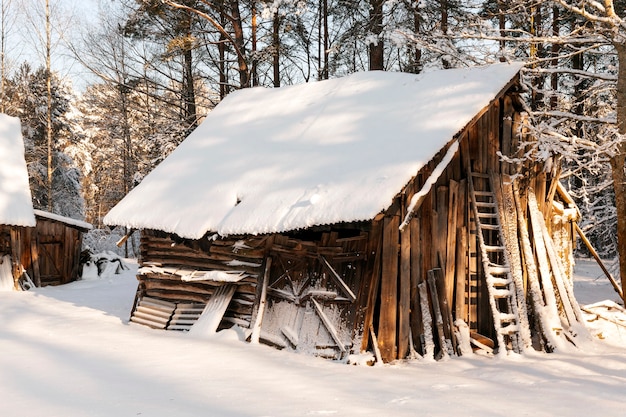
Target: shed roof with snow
(16,207)
(272,160)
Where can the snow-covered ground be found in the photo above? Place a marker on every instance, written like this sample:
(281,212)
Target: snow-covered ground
(69,351)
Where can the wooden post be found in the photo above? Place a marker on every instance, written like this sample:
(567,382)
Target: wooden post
(34,255)
(451,240)
(16,256)
(460,300)
(434,298)
(256,327)
(369,290)
(387,326)
(404,306)
(428,345)
(417,260)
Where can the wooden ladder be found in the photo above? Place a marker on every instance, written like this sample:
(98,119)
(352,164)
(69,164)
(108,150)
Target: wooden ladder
(495,262)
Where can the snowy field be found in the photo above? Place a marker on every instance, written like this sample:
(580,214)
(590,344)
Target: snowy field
(69,351)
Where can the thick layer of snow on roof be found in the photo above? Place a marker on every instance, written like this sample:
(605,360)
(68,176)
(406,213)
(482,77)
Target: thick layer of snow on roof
(16,206)
(63,219)
(272,160)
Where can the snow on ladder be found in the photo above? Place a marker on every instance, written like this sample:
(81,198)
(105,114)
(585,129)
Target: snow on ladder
(496,265)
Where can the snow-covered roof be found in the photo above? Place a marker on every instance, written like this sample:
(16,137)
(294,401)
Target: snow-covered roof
(63,219)
(16,206)
(271,160)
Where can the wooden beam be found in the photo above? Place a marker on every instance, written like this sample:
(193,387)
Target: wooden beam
(368,293)
(460,300)
(387,326)
(404,305)
(34,256)
(452,238)
(416,277)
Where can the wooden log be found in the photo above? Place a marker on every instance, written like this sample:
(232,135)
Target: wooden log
(428,344)
(543,301)
(444,343)
(387,326)
(566,295)
(559,279)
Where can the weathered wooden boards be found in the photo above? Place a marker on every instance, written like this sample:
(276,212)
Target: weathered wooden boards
(245,256)
(49,253)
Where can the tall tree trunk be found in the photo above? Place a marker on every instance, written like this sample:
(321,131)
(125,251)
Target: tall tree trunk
(244,76)
(443,4)
(618,162)
(276,48)
(554,77)
(326,40)
(189,94)
(221,48)
(49,103)
(376,49)
(4,7)
(416,53)
(253,30)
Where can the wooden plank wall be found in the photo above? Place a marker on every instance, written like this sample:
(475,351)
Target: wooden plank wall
(51,252)
(245,254)
(439,236)
(221,255)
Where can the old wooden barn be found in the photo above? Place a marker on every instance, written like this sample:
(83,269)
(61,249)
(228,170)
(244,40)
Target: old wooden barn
(42,248)
(371,213)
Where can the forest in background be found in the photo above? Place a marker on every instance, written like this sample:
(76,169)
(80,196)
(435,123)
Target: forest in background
(157,67)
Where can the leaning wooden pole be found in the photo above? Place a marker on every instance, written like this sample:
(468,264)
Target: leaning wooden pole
(593,252)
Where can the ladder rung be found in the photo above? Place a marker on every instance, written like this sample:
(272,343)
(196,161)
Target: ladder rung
(499,282)
(510,329)
(501,293)
(488,215)
(498,269)
(488,204)
(490,248)
(507,318)
(490,227)
(478,193)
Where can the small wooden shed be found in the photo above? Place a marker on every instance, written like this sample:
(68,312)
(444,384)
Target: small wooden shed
(16,207)
(51,250)
(368,213)
(42,247)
